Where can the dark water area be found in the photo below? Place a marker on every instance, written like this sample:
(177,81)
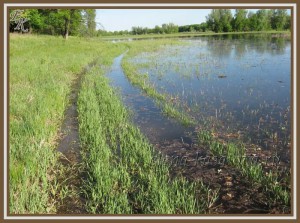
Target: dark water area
(145,114)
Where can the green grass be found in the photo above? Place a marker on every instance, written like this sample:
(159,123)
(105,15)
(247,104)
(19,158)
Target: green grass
(142,80)
(125,174)
(236,156)
(42,69)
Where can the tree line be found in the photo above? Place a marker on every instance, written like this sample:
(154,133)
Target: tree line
(81,22)
(221,20)
(65,22)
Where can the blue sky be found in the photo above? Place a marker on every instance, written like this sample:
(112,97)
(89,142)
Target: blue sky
(121,19)
(124,19)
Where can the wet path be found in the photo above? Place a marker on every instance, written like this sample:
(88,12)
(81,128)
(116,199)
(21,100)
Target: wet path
(69,147)
(146,115)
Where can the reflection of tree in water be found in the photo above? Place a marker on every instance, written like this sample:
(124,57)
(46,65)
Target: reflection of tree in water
(240,49)
(278,45)
(269,44)
(239,44)
(219,46)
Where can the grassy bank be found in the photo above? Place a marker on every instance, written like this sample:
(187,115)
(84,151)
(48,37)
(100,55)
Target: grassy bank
(124,174)
(190,34)
(42,69)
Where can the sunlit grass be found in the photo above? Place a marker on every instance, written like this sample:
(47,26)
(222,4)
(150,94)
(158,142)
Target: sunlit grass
(42,69)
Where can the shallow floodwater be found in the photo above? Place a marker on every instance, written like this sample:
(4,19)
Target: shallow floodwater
(235,85)
(145,114)
(238,87)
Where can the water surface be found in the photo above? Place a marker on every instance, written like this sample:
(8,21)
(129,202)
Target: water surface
(145,114)
(237,85)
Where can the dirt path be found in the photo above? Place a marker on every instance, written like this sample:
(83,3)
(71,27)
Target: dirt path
(69,146)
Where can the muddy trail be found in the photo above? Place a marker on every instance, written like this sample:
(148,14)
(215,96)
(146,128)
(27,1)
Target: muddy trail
(70,158)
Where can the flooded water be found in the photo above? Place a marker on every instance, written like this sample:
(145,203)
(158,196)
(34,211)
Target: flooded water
(237,85)
(146,115)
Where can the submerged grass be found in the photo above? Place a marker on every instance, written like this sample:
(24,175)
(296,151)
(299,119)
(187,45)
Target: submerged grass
(142,80)
(124,174)
(39,82)
(236,156)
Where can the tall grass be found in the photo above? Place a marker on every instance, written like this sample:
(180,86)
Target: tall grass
(124,174)
(42,69)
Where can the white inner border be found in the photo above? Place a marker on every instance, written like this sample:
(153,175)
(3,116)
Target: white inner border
(152,217)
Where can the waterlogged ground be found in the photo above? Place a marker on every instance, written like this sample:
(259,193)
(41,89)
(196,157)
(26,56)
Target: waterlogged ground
(235,86)
(145,113)
(238,85)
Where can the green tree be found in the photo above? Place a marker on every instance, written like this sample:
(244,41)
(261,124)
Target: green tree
(240,22)
(35,20)
(252,21)
(288,23)
(203,27)
(63,22)
(169,28)
(264,19)
(66,17)
(219,20)
(157,29)
(279,19)
(88,27)
(137,30)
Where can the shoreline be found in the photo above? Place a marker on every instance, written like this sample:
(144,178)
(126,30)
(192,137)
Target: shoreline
(147,36)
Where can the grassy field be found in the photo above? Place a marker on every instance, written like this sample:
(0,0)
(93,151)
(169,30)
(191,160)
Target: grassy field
(42,69)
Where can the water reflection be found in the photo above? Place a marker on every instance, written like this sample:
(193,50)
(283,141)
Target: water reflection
(222,46)
(145,114)
(231,83)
